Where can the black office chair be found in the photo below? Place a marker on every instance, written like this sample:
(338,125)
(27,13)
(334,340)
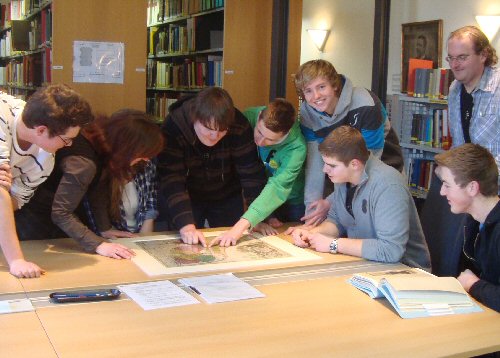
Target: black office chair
(443,232)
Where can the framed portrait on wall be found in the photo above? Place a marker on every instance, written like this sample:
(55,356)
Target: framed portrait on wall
(421,40)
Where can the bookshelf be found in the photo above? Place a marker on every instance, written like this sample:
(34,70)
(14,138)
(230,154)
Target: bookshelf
(422,127)
(232,36)
(25,46)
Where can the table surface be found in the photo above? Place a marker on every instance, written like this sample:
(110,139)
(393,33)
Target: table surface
(309,309)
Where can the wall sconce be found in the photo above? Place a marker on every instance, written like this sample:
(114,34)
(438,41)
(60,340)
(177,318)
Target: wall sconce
(319,37)
(489,25)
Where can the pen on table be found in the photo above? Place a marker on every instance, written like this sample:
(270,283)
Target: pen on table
(192,288)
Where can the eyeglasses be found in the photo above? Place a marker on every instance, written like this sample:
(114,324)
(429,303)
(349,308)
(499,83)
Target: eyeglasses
(459,58)
(67,141)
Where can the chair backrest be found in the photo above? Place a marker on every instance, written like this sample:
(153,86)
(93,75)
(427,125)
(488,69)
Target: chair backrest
(443,232)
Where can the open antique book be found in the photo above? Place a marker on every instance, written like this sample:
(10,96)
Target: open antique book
(415,293)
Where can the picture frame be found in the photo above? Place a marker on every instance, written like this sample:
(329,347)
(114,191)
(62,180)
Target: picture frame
(422,40)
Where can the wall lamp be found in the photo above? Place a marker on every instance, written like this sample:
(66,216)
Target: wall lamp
(489,25)
(319,37)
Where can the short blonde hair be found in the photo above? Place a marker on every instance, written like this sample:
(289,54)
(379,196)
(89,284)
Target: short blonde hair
(313,69)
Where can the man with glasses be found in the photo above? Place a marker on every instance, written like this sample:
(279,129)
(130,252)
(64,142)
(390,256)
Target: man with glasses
(282,149)
(474,116)
(30,133)
(474,96)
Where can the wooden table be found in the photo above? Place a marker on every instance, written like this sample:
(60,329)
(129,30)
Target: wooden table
(310,310)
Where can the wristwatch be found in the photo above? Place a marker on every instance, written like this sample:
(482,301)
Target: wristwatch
(334,246)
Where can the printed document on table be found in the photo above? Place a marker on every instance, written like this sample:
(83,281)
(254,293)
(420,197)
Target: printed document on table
(221,288)
(19,305)
(158,294)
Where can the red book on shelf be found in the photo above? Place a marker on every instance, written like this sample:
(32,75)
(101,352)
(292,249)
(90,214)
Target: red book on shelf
(413,64)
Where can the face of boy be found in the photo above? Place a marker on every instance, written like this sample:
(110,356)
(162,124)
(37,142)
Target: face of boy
(457,197)
(264,137)
(56,142)
(207,136)
(320,95)
(336,170)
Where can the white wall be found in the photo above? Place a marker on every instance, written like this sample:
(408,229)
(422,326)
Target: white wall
(350,44)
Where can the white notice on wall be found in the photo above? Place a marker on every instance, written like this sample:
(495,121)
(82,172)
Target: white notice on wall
(98,62)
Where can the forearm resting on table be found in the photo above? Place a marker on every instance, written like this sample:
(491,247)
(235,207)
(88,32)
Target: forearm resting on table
(8,237)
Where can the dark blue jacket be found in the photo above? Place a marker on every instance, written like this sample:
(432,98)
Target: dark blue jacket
(482,247)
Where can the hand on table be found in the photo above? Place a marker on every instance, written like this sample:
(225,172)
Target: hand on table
(114,250)
(320,242)
(191,235)
(265,229)
(25,269)
(300,235)
(274,222)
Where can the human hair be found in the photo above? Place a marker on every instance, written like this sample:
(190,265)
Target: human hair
(213,107)
(480,42)
(345,143)
(313,69)
(471,162)
(278,116)
(126,135)
(57,107)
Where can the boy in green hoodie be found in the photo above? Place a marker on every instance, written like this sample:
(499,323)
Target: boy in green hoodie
(282,149)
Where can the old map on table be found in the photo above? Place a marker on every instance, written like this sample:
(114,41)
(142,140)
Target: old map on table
(167,254)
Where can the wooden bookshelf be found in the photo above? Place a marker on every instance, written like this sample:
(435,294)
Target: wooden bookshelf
(25,46)
(243,60)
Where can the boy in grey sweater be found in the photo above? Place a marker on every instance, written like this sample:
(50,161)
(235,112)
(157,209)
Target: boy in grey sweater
(372,214)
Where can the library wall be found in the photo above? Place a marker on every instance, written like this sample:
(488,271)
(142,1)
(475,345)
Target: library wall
(247,51)
(107,21)
(350,44)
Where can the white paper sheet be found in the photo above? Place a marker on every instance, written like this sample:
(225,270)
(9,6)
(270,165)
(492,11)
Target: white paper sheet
(12,306)
(221,288)
(158,294)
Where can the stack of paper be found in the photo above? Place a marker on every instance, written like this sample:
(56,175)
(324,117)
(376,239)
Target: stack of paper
(415,293)
(221,288)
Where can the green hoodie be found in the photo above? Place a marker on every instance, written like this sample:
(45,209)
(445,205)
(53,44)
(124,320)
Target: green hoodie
(285,170)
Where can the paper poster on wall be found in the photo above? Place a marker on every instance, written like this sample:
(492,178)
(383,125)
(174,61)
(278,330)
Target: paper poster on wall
(98,62)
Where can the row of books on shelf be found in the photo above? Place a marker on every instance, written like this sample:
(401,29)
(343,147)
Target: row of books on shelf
(173,38)
(158,104)
(198,73)
(427,82)
(27,35)
(419,173)
(163,10)
(431,129)
(18,10)
(32,71)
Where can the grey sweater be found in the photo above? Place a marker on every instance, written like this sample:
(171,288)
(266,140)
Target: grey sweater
(385,217)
